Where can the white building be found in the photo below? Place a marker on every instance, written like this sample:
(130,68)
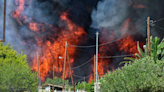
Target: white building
(48,87)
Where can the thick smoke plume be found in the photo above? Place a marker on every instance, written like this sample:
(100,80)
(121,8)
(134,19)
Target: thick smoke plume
(113,14)
(112,18)
(109,13)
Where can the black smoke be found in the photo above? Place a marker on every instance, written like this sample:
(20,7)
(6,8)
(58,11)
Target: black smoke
(92,15)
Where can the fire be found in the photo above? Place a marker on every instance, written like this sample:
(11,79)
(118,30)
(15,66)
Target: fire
(72,34)
(20,8)
(136,4)
(90,79)
(52,46)
(33,26)
(49,56)
(128,45)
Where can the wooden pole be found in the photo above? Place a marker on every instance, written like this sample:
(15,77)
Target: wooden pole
(148,34)
(94,68)
(64,65)
(70,72)
(95,88)
(4,22)
(53,79)
(84,83)
(38,69)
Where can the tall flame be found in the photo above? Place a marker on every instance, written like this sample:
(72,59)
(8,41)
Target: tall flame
(53,46)
(67,31)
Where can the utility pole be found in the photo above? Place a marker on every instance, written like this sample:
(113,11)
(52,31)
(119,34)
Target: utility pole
(53,79)
(64,66)
(4,22)
(70,72)
(38,66)
(94,68)
(148,34)
(95,88)
(84,83)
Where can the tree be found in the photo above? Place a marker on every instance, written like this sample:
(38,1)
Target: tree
(157,50)
(57,81)
(89,87)
(16,75)
(143,75)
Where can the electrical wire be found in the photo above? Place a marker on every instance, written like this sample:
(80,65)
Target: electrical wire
(82,64)
(76,66)
(107,42)
(77,76)
(159,27)
(89,75)
(76,81)
(119,38)
(159,20)
(82,76)
(115,56)
(82,46)
(80,49)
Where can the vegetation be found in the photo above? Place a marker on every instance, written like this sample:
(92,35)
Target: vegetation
(89,87)
(143,75)
(16,75)
(57,81)
(157,50)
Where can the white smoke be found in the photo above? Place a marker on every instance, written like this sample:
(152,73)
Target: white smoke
(109,13)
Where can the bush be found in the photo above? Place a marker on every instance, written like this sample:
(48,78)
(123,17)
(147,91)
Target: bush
(89,87)
(144,75)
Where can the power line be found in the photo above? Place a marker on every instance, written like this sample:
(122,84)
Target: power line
(83,64)
(77,76)
(98,57)
(77,66)
(89,75)
(115,56)
(82,76)
(77,80)
(79,49)
(107,42)
(119,38)
(82,46)
(159,20)
(159,27)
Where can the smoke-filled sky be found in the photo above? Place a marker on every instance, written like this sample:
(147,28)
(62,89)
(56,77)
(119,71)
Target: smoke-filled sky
(112,18)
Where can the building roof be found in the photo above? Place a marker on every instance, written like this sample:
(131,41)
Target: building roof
(48,84)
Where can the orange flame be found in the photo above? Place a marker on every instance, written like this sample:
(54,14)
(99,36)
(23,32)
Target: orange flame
(50,57)
(70,32)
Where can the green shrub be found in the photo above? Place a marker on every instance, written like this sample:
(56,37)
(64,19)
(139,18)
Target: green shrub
(89,87)
(143,75)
